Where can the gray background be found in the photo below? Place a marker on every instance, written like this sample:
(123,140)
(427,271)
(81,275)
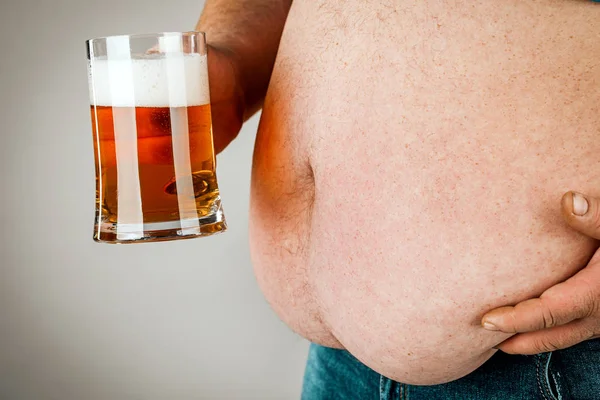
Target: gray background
(80,320)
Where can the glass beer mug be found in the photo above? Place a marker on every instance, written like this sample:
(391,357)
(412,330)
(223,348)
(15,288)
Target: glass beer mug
(152,130)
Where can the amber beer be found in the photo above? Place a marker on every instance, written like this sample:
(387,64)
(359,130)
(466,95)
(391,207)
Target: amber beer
(155,176)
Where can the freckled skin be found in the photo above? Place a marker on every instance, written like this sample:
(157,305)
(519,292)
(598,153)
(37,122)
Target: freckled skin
(409,167)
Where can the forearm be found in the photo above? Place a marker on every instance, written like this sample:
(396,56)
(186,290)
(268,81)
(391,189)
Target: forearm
(250,31)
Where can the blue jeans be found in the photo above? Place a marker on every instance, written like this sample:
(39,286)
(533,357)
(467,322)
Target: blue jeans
(573,373)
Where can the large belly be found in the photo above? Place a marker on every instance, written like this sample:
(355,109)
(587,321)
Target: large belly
(409,169)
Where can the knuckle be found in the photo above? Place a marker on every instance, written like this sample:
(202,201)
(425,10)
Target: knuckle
(595,310)
(589,303)
(548,317)
(546,345)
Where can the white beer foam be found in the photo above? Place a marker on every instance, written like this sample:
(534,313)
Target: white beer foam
(174,80)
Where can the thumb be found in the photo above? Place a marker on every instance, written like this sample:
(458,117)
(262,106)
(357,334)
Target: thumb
(582,213)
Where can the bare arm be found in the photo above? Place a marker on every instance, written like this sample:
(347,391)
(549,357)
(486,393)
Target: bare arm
(248,31)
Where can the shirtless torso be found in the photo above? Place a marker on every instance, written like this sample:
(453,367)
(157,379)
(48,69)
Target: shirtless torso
(409,167)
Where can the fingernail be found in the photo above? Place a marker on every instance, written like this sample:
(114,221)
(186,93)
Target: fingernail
(580,205)
(489,326)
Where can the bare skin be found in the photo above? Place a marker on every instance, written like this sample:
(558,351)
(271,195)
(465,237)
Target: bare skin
(243,37)
(565,314)
(409,166)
